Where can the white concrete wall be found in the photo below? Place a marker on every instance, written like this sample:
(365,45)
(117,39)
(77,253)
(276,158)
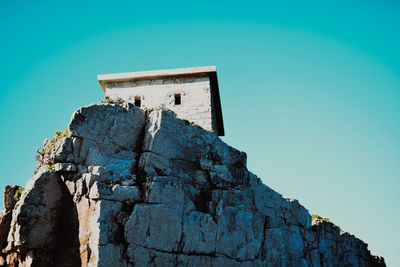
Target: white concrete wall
(195,97)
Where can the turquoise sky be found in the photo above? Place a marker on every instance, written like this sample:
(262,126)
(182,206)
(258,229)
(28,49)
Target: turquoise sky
(310,91)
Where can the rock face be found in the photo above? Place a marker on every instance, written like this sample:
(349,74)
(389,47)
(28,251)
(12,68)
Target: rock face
(131,188)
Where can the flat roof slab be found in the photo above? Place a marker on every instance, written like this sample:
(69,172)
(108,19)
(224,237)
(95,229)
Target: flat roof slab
(153,74)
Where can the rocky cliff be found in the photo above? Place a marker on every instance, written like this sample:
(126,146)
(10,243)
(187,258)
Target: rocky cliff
(125,187)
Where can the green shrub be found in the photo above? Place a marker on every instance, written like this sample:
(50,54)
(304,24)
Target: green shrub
(313,216)
(51,167)
(18,193)
(53,141)
(109,100)
(59,135)
(46,150)
(105,101)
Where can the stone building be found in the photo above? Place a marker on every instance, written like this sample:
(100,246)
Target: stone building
(192,93)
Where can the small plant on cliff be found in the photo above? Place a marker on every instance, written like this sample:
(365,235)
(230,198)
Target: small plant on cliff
(106,100)
(50,144)
(314,216)
(51,166)
(109,100)
(59,135)
(195,124)
(46,150)
(18,193)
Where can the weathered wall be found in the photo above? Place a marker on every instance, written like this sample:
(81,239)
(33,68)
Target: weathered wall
(196,105)
(130,189)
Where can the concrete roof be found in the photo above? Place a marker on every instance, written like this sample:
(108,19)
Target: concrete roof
(152,74)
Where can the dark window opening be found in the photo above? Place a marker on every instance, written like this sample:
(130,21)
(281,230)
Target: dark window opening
(137,101)
(177,99)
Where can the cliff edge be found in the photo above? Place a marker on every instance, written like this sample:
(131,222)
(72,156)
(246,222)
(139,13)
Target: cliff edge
(127,187)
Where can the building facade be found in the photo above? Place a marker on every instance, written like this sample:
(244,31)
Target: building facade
(192,93)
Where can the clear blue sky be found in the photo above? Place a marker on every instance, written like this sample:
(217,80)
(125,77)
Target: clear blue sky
(310,90)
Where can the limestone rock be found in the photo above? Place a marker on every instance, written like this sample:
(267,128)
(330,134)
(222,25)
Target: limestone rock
(66,167)
(35,215)
(127,187)
(6,213)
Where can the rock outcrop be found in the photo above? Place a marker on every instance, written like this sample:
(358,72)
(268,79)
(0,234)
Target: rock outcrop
(127,187)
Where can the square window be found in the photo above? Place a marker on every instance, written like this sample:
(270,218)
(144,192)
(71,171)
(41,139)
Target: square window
(137,101)
(177,99)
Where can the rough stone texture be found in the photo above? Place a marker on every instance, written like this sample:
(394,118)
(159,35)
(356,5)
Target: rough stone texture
(6,213)
(136,188)
(195,91)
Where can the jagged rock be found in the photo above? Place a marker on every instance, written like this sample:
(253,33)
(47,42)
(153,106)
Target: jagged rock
(127,187)
(66,167)
(9,197)
(35,215)
(6,213)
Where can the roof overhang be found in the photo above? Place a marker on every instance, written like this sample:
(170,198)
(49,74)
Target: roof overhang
(153,74)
